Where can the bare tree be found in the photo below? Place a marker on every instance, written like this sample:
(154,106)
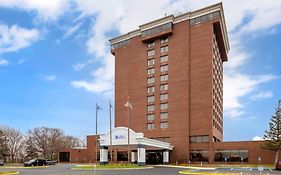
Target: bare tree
(71,142)
(3,145)
(30,150)
(15,142)
(46,141)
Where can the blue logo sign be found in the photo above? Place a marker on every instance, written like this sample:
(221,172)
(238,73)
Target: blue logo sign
(119,137)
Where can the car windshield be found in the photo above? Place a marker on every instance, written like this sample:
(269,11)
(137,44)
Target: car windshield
(32,160)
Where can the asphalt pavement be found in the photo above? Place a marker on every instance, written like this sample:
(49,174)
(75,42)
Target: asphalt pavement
(65,169)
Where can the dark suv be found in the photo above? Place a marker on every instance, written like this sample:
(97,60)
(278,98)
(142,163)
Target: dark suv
(35,162)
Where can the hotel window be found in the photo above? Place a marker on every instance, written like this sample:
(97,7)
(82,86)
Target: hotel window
(199,139)
(150,44)
(164,106)
(164,97)
(150,53)
(164,68)
(150,89)
(164,49)
(150,62)
(164,58)
(199,155)
(164,40)
(164,77)
(150,108)
(150,126)
(231,155)
(150,117)
(150,80)
(150,71)
(163,115)
(164,87)
(163,125)
(150,99)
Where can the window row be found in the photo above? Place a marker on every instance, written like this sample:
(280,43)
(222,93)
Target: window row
(163,49)
(163,116)
(163,106)
(158,29)
(152,79)
(163,59)
(220,155)
(163,69)
(151,99)
(163,87)
(163,125)
(205,18)
(120,44)
(199,139)
(163,40)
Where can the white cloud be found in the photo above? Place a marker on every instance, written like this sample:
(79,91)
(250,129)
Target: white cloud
(3,62)
(79,66)
(21,61)
(50,77)
(261,95)
(103,78)
(257,138)
(70,31)
(45,10)
(237,86)
(15,38)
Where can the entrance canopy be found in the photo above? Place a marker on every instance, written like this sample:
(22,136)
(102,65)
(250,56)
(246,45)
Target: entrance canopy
(120,138)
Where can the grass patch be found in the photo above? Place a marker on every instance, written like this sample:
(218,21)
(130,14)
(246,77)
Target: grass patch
(9,173)
(21,167)
(108,166)
(271,166)
(206,173)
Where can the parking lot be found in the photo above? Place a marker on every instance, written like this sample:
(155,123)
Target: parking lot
(65,169)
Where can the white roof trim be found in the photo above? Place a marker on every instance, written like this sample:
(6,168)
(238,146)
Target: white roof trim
(120,138)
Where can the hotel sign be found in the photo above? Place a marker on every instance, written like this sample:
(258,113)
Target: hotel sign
(117,137)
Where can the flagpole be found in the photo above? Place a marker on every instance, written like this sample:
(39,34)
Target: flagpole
(96,132)
(110,132)
(128,115)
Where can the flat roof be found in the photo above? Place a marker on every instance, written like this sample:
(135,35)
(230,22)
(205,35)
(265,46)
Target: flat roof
(176,19)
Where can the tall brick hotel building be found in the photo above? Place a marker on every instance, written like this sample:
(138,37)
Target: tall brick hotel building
(172,71)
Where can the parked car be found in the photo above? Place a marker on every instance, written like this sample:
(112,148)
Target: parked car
(35,162)
(51,162)
(1,162)
(278,165)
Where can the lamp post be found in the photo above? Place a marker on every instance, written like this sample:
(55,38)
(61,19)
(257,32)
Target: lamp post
(129,106)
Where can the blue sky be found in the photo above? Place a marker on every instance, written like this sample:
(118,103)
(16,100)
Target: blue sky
(55,62)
